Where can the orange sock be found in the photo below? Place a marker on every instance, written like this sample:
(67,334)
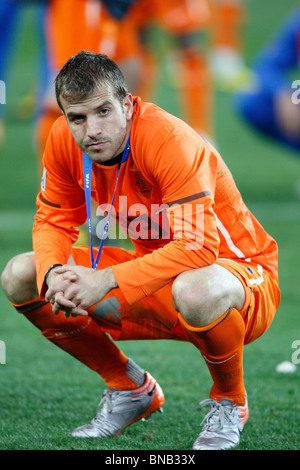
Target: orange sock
(84,339)
(221,345)
(148,76)
(196,92)
(228,18)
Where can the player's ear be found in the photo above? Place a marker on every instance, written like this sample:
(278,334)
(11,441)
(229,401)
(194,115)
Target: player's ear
(128,106)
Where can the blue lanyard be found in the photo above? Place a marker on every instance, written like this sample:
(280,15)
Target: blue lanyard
(87,175)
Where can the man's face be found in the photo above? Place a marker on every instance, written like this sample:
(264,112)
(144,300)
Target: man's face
(100,124)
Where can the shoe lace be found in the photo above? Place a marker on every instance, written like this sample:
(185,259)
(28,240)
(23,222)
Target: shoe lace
(217,414)
(105,406)
(109,397)
(106,401)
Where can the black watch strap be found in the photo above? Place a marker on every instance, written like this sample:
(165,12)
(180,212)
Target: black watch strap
(51,267)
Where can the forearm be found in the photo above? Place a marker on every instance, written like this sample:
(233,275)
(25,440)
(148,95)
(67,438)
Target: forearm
(53,234)
(50,247)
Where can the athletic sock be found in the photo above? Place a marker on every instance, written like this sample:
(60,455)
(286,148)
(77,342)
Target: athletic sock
(148,76)
(135,372)
(228,19)
(195,92)
(84,339)
(221,345)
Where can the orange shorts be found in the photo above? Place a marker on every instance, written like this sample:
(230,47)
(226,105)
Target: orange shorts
(155,317)
(262,296)
(176,16)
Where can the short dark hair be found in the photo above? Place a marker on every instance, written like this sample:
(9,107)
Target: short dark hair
(83,73)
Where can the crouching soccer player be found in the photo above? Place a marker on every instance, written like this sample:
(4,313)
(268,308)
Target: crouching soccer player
(213,283)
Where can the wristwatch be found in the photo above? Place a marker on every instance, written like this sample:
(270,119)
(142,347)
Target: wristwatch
(48,271)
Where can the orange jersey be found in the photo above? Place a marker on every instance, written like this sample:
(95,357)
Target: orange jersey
(176,198)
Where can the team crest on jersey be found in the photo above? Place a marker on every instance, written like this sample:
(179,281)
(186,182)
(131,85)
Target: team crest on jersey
(43,180)
(143,186)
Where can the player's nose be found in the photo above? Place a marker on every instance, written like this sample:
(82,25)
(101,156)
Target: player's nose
(93,128)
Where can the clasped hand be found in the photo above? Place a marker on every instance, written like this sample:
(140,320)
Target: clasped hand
(74,289)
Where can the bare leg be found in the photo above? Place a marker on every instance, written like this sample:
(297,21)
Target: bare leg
(19,278)
(203,295)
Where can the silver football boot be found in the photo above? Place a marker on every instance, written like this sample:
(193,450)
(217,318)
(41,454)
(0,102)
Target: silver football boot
(120,408)
(222,426)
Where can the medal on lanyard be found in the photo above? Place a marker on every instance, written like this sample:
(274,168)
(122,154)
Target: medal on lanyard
(87,175)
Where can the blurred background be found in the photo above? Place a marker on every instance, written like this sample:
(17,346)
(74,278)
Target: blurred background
(230,69)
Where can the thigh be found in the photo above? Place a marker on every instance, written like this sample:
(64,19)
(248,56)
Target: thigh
(262,296)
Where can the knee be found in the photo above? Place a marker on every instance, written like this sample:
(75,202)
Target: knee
(18,279)
(203,295)
(193,299)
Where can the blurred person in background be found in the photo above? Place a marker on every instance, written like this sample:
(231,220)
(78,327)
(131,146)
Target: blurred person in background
(271,103)
(183,59)
(74,25)
(226,44)
(9,24)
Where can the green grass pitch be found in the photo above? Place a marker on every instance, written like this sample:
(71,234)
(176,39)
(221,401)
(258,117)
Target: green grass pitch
(44,393)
